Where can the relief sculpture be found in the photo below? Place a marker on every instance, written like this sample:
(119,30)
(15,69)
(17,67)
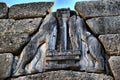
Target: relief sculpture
(69,45)
(92,52)
(42,36)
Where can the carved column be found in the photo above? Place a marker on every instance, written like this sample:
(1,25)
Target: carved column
(64,57)
(63,16)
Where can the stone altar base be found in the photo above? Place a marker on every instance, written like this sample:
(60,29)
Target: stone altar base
(62,60)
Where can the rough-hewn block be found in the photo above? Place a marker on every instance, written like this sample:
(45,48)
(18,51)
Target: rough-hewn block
(15,34)
(114,62)
(36,9)
(105,25)
(3,10)
(26,25)
(65,75)
(98,8)
(12,43)
(111,43)
(6,61)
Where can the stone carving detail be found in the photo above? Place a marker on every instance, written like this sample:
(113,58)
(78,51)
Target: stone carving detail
(91,59)
(69,45)
(28,54)
(92,51)
(64,57)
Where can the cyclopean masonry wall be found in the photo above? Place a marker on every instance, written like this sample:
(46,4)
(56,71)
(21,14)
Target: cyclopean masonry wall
(38,44)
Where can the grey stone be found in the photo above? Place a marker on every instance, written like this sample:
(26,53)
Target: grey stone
(14,34)
(62,61)
(6,25)
(63,66)
(6,60)
(12,43)
(65,75)
(111,43)
(26,25)
(55,58)
(114,62)
(98,8)
(36,9)
(31,49)
(29,77)
(3,10)
(63,17)
(105,25)
(91,59)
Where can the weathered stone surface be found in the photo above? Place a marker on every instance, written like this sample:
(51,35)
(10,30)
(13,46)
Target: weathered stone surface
(28,10)
(98,8)
(6,25)
(26,25)
(3,10)
(111,43)
(114,62)
(62,65)
(12,42)
(15,34)
(30,77)
(57,58)
(105,25)
(65,75)
(6,61)
(62,60)
(44,35)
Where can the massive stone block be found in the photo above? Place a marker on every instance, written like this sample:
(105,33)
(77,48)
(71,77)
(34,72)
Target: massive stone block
(15,34)
(6,61)
(26,25)
(111,43)
(105,25)
(3,10)
(114,62)
(13,42)
(28,10)
(65,75)
(98,8)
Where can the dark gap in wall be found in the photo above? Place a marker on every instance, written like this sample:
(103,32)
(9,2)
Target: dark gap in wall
(6,17)
(69,46)
(72,12)
(28,17)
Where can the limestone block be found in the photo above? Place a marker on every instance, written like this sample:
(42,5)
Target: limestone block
(114,62)
(98,8)
(14,34)
(6,60)
(26,25)
(12,42)
(111,43)
(105,25)
(6,25)
(27,10)
(3,10)
(65,75)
